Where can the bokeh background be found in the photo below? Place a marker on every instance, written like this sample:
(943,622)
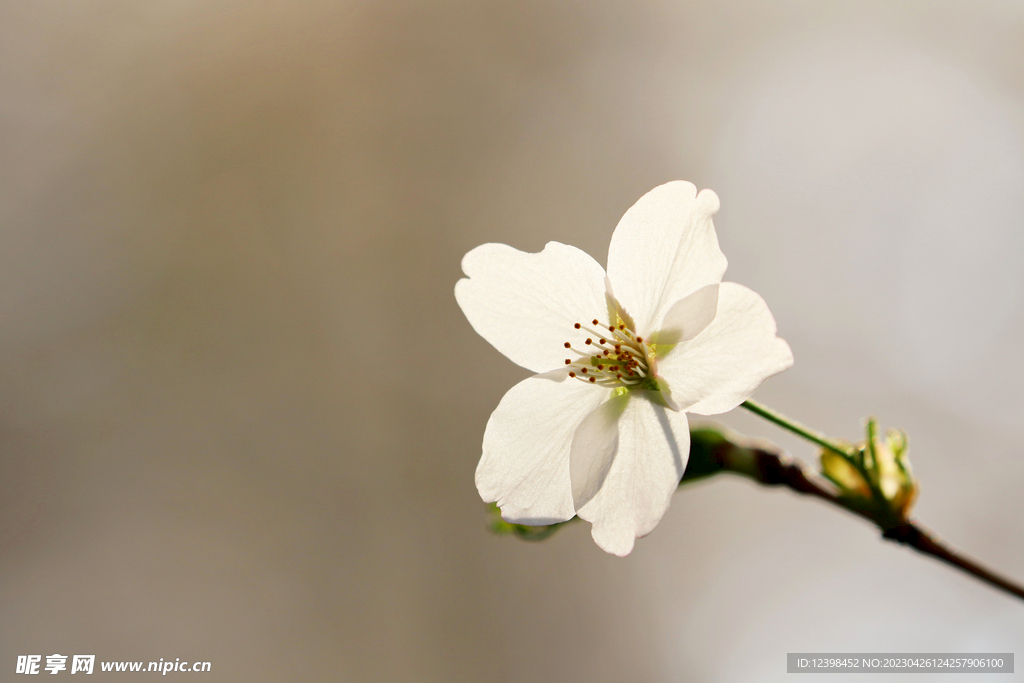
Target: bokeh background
(240,409)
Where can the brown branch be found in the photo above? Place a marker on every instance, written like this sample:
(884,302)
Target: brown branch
(772,467)
(916,537)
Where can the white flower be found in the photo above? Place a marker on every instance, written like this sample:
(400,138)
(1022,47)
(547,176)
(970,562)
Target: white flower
(601,430)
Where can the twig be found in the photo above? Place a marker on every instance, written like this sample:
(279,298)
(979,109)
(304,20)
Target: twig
(772,467)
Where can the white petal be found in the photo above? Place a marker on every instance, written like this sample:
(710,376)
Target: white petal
(663,249)
(722,366)
(525,462)
(526,304)
(653,446)
(688,317)
(593,447)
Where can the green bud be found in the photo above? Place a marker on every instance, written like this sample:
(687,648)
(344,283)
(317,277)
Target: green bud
(842,471)
(895,478)
(875,477)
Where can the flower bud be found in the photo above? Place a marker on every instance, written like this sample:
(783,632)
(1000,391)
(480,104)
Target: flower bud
(894,477)
(844,474)
(874,477)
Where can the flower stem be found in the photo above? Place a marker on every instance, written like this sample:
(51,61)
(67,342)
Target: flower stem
(795,427)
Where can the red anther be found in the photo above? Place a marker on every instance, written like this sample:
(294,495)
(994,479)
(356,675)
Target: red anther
(595,321)
(568,345)
(603,341)
(593,379)
(568,362)
(622,327)
(572,374)
(640,339)
(611,328)
(619,375)
(577,326)
(584,371)
(589,341)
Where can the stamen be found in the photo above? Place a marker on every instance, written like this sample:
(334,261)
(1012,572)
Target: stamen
(633,351)
(621,357)
(593,332)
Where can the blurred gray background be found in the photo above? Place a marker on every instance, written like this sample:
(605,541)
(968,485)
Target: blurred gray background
(240,409)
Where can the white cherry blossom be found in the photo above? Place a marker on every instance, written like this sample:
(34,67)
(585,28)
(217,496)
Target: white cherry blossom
(601,430)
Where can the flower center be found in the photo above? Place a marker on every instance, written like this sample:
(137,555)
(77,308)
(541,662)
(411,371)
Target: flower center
(617,357)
